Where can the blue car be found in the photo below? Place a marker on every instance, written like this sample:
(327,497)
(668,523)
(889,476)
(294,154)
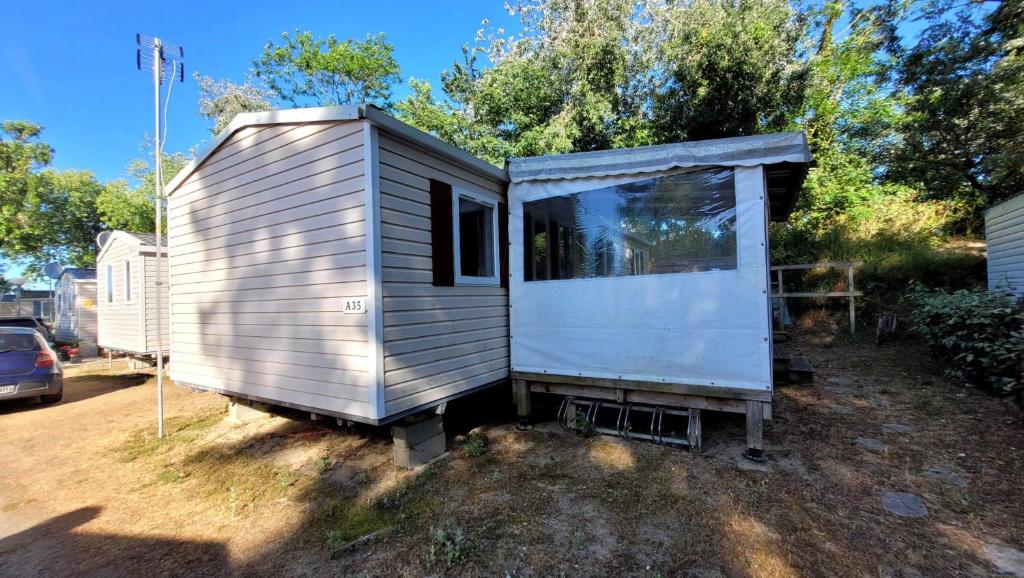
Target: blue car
(29,366)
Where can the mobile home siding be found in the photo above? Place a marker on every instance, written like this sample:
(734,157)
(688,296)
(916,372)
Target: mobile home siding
(120,323)
(85,315)
(148,275)
(438,341)
(76,321)
(65,295)
(267,237)
(1004,232)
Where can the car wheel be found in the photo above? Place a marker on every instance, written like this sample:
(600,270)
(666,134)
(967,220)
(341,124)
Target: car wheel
(52,398)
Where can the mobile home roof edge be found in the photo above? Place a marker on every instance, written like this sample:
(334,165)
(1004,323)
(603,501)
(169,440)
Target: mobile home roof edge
(146,241)
(766,149)
(336,113)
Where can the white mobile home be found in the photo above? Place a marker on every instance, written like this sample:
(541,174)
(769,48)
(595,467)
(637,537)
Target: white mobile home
(641,275)
(1004,234)
(338,261)
(126,279)
(76,309)
(33,303)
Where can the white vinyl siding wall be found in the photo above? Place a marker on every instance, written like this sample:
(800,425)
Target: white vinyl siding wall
(120,322)
(148,300)
(76,322)
(64,295)
(438,341)
(1004,232)
(267,237)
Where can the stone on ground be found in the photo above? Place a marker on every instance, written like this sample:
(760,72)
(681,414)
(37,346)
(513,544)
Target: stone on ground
(904,505)
(944,474)
(870,444)
(1009,561)
(897,428)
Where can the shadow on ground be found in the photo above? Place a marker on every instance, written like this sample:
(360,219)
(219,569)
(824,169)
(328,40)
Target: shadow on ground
(61,547)
(79,388)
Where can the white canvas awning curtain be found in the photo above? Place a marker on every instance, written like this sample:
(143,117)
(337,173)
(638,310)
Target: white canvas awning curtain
(699,328)
(744,151)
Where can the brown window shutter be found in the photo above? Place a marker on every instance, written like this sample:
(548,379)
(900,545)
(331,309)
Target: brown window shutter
(441,234)
(503,242)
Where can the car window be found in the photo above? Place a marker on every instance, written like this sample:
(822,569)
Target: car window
(18,342)
(18,323)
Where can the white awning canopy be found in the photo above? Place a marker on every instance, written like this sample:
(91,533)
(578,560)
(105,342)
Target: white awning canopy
(744,151)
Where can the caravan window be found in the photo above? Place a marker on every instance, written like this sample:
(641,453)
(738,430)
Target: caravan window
(675,223)
(127,281)
(475,226)
(110,283)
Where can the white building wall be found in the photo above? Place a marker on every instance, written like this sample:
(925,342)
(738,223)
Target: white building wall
(1004,233)
(120,321)
(438,341)
(708,328)
(266,242)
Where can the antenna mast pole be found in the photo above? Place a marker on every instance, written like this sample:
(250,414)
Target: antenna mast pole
(162,52)
(158,158)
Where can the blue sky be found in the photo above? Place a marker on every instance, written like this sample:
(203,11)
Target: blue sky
(70,66)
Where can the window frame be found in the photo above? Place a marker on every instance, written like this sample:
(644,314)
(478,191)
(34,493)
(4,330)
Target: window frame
(110,283)
(128,281)
(488,201)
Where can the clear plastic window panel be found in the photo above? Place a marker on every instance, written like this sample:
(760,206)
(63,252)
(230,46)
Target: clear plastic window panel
(670,224)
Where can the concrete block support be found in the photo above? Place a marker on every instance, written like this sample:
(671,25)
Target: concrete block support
(245,411)
(418,443)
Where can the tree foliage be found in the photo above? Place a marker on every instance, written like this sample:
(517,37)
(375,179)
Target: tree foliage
(730,69)
(308,71)
(129,204)
(221,100)
(47,215)
(593,74)
(304,70)
(22,156)
(964,128)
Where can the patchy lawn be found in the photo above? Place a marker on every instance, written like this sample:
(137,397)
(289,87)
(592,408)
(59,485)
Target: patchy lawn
(89,489)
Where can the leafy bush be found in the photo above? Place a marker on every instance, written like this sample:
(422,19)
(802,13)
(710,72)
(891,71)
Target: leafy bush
(448,547)
(476,445)
(981,333)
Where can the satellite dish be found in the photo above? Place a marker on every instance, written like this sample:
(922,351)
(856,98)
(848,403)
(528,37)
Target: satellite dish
(102,238)
(53,270)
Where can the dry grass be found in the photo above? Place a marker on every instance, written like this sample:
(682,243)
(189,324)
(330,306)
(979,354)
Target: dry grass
(283,496)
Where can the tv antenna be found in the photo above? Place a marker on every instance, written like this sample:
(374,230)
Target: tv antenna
(165,60)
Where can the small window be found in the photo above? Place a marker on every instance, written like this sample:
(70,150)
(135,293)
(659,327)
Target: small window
(127,281)
(110,283)
(476,248)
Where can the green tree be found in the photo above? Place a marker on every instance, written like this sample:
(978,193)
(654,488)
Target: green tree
(22,157)
(573,80)
(731,69)
(221,100)
(965,125)
(308,71)
(128,204)
(46,215)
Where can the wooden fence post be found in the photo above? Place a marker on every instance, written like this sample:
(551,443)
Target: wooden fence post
(853,309)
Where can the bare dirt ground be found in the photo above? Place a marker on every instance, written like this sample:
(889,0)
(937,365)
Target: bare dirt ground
(87,489)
